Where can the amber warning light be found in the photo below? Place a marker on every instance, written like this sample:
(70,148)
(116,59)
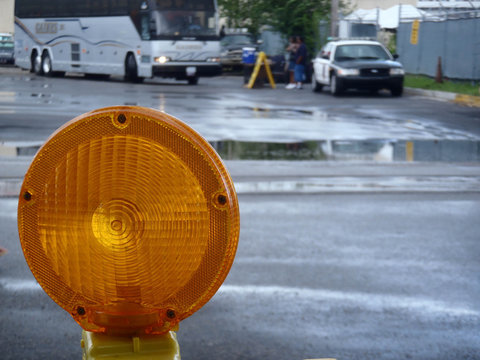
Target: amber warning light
(128,220)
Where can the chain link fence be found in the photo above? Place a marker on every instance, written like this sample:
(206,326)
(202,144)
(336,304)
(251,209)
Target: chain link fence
(455,40)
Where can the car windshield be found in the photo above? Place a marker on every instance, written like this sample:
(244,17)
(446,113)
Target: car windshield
(236,40)
(361,52)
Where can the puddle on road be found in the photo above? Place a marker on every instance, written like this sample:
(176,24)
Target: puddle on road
(41,95)
(363,150)
(390,149)
(274,113)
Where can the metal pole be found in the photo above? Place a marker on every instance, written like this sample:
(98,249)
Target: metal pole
(334,18)
(399,14)
(475,54)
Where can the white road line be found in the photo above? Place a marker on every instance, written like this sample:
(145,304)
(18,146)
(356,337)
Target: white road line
(16,285)
(362,184)
(373,302)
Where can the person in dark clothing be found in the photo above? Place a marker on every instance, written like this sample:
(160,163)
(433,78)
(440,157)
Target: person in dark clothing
(300,63)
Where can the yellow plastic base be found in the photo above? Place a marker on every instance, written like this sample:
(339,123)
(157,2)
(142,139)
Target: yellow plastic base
(158,347)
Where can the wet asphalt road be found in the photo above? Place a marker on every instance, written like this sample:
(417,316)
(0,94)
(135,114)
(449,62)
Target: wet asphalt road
(349,276)
(338,271)
(32,107)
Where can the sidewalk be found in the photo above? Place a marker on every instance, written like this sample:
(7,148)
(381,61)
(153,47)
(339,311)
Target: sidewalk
(313,177)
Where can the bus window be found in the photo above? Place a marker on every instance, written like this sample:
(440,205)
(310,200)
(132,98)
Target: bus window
(99,8)
(118,7)
(185,23)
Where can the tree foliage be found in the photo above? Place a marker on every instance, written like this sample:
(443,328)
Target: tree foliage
(243,14)
(289,17)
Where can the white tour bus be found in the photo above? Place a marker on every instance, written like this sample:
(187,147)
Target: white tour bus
(134,38)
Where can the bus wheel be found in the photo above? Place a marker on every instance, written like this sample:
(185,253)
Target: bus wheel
(46,64)
(37,64)
(131,72)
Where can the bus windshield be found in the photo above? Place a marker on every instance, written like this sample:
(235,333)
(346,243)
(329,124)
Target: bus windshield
(183,23)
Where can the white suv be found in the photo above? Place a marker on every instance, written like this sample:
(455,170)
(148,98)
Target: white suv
(357,64)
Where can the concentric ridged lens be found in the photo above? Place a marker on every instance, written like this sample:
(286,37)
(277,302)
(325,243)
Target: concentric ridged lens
(117,224)
(127,219)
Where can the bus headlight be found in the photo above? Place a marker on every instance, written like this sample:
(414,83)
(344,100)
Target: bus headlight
(162,59)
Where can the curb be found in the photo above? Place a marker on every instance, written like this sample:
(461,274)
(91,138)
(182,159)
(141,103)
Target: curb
(318,177)
(468,100)
(10,187)
(461,99)
(19,148)
(324,185)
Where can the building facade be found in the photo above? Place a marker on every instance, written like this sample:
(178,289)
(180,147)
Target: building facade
(448,6)
(6,16)
(372,4)
(428,5)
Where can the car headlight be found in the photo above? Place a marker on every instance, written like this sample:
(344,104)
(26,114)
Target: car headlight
(162,59)
(397,71)
(348,72)
(213,59)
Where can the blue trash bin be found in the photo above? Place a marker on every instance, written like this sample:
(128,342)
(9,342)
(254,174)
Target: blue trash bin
(248,55)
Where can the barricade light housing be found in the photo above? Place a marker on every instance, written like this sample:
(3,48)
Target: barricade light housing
(128,220)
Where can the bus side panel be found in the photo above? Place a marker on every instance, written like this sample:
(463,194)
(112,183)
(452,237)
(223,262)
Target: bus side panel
(106,42)
(24,45)
(88,45)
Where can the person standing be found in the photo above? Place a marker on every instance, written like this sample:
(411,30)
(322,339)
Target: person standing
(292,49)
(300,63)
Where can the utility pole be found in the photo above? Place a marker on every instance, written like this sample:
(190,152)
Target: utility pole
(334,18)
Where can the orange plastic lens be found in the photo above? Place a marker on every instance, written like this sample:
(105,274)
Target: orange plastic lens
(129,220)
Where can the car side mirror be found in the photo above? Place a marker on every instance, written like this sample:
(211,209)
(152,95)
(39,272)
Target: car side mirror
(396,56)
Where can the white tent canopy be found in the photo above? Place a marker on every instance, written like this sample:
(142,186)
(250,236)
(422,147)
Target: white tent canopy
(389,18)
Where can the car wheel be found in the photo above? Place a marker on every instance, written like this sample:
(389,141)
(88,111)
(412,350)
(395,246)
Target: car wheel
(397,91)
(316,87)
(46,64)
(335,85)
